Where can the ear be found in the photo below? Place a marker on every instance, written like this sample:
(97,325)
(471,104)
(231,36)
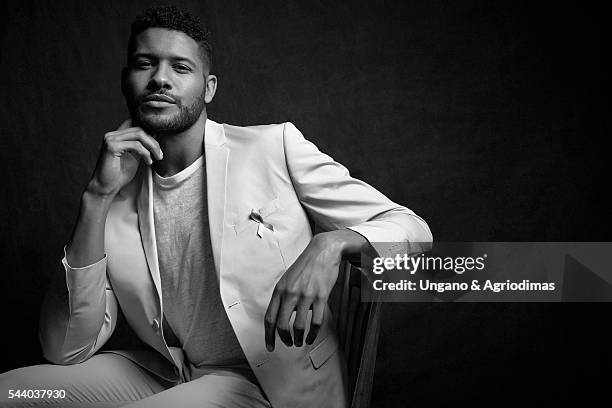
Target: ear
(211,88)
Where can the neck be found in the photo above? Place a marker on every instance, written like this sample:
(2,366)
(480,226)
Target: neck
(181,149)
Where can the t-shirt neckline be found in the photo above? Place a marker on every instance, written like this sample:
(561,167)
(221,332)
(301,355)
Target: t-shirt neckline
(180,176)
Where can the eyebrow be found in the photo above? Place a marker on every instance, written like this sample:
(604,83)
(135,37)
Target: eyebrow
(173,57)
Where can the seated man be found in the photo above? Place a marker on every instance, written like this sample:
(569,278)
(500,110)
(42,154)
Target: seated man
(199,233)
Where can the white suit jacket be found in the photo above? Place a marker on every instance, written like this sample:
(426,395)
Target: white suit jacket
(269,168)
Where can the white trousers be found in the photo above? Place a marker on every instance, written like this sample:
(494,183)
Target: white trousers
(111,380)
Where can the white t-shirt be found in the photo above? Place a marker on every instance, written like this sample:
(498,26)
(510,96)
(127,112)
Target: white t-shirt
(190,288)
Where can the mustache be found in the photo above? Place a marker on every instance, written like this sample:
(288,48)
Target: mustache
(159,95)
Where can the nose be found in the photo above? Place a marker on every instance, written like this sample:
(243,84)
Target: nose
(160,78)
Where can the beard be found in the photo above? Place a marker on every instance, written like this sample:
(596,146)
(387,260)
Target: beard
(157,124)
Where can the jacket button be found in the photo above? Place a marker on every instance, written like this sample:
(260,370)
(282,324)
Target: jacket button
(155,325)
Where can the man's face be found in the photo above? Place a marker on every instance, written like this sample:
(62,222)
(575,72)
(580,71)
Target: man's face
(164,83)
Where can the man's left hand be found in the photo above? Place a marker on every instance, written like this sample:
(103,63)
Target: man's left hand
(306,285)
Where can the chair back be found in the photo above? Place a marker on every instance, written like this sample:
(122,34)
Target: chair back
(358,327)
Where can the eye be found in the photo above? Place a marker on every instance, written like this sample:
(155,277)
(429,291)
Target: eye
(142,64)
(182,68)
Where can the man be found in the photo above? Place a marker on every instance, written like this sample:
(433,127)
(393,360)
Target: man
(200,234)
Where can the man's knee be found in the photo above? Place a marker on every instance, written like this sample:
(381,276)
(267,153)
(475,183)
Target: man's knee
(28,377)
(104,377)
(27,383)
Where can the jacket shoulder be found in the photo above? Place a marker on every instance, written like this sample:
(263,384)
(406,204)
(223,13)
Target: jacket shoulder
(255,133)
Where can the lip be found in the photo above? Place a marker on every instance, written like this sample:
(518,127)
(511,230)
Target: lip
(153,103)
(159,98)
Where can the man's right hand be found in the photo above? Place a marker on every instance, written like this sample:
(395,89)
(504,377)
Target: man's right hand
(119,157)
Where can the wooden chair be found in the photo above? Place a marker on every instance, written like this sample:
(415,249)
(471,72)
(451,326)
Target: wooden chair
(358,327)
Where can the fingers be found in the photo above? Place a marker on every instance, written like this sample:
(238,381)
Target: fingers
(282,325)
(119,141)
(138,134)
(270,320)
(299,324)
(278,317)
(126,124)
(318,311)
(133,147)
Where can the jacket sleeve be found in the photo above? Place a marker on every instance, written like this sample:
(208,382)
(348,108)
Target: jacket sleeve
(335,200)
(78,314)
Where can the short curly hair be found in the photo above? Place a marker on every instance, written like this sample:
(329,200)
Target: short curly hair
(173,18)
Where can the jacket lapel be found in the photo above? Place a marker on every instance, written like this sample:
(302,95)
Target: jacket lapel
(147,226)
(217,156)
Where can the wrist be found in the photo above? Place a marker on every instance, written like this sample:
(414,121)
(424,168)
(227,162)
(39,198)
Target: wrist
(92,192)
(96,202)
(344,242)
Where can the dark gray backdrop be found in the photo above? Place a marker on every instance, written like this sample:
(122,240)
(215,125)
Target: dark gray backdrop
(485,118)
